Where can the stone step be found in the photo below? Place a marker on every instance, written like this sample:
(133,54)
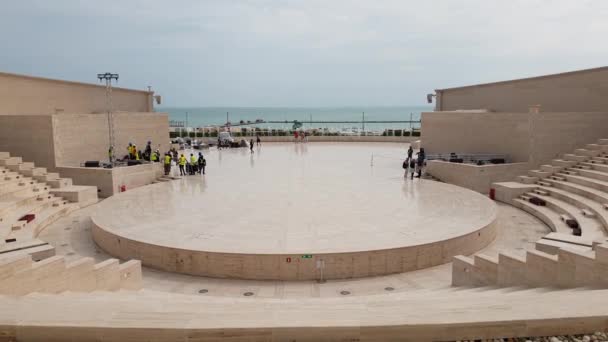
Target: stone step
(564,163)
(584,166)
(602,160)
(575,158)
(570,172)
(588,213)
(60,183)
(551,168)
(527,179)
(539,173)
(546,215)
(47,177)
(4,155)
(36,171)
(10,161)
(602,141)
(559,178)
(541,192)
(593,147)
(585,152)
(543,183)
(21,166)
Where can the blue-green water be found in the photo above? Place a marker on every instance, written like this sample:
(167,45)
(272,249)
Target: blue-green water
(206,116)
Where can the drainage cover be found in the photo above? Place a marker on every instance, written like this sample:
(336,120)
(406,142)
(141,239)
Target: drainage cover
(203,291)
(247,294)
(389,288)
(345,293)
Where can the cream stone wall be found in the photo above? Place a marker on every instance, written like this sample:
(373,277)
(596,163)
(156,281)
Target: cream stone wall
(109,181)
(583,91)
(477,178)
(82,137)
(537,138)
(29,137)
(21,94)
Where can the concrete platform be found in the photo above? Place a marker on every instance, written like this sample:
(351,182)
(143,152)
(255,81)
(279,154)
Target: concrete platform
(296,211)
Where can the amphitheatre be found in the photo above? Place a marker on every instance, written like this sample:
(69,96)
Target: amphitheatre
(503,237)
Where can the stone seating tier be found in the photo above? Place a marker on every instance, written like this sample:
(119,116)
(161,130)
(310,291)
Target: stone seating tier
(571,266)
(573,199)
(27,189)
(20,275)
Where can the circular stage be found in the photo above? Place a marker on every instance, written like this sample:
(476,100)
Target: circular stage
(296,211)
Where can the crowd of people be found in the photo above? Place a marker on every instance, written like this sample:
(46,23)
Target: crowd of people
(413,165)
(187,166)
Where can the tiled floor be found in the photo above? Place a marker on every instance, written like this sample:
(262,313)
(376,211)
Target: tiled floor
(517,229)
(297,199)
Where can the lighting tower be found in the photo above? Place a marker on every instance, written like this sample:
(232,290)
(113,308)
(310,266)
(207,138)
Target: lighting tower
(108,77)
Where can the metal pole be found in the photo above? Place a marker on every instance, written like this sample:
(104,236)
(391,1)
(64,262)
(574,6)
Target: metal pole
(411,130)
(108,77)
(363,124)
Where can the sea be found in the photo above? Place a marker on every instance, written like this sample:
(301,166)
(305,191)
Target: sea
(308,116)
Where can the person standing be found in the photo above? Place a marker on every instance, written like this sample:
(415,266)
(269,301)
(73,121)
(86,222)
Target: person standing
(200,163)
(259,141)
(251,145)
(111,154)
(193,164)
(148,151)
(182,165)
(295,136)
(203,164)
(131,152)
(167,163)
(412,166)
(410,153)
(420,163)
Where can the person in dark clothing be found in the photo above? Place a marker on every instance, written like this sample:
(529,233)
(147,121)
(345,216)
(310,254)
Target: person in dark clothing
(410,153)
(203,164)
(251,145)
(200,163)
(259,141)
(421,158)
(148,151)
(412,167)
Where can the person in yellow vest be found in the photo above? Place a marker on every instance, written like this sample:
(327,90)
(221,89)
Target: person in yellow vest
(182,165)
(193,164)
(167,164)
(154,157)
(111,154)
(130,150)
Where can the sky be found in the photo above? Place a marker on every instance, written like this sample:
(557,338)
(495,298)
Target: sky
(304,53)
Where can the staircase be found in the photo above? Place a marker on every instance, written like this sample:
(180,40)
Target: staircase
(570,196)
(32,198)
(20,275)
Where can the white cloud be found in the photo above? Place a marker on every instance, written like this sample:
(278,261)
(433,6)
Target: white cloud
(285,52)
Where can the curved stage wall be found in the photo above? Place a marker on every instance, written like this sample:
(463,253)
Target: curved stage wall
(294,266)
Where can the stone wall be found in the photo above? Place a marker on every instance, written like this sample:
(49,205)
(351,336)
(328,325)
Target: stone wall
(477,178)
(524,137)
(583,91)
(29,137)
(21,94)
(109,181)
(82,137)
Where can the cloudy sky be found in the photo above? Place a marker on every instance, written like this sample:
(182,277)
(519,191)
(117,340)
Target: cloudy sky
(301,52)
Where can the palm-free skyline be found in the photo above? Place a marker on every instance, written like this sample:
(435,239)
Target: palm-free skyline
(301,53)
